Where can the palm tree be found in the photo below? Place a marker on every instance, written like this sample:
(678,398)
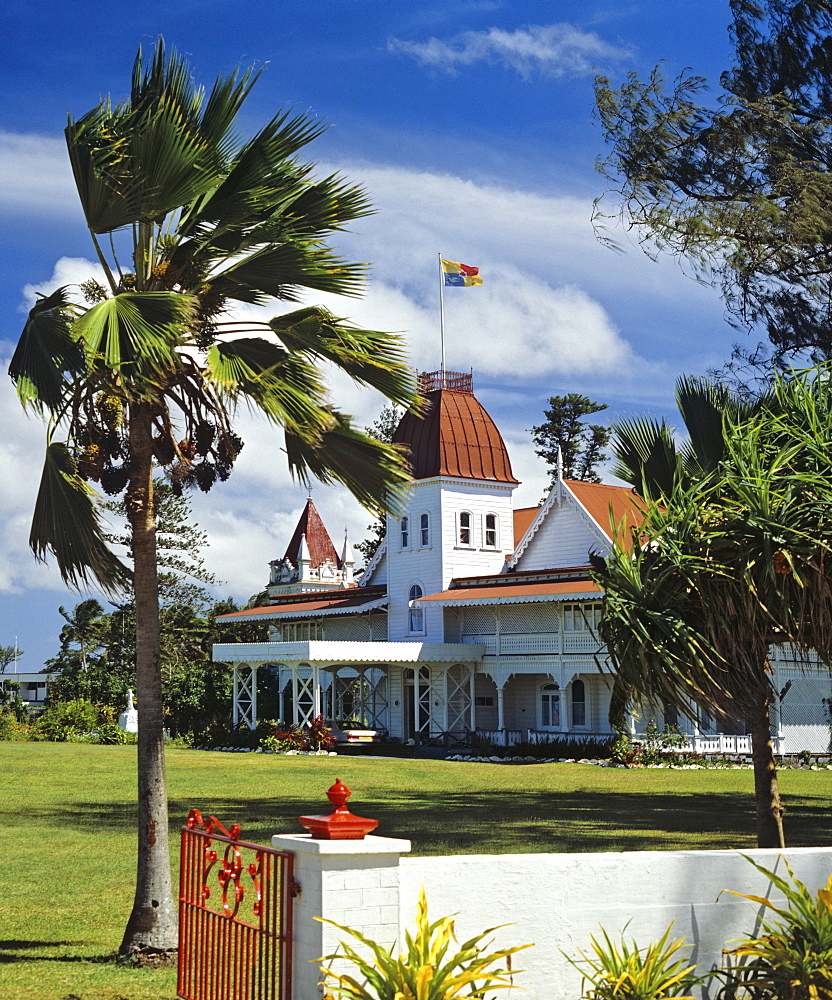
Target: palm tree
(731,559)
(151,367)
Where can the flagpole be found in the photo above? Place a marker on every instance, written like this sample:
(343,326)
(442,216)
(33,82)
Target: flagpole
(442,316)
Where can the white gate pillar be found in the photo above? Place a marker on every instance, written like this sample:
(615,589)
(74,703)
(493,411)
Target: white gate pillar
(354,883)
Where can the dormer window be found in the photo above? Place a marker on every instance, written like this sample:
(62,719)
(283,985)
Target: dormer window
(491,536)
(404,528)
(415,614)
(424,530)
(465,531)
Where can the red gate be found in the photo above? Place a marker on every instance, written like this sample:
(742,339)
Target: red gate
(235,918)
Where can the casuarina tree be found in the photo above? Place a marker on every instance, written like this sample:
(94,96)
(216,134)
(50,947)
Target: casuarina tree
(738,185)
(189,222)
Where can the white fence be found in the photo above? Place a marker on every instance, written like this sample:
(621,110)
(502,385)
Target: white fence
(718,743)
(555,901)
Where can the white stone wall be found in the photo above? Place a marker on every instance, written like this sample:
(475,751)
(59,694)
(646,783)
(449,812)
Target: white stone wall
(553,901)
(557,901)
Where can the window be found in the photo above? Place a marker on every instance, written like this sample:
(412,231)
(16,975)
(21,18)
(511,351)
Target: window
(415,614)
(403,526)
(578,703)
(550,706)
(424,530)
(581,617)
(491,531)
(301,631)
(484,701)
(464,536)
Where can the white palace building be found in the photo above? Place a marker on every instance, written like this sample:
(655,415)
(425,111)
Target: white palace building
(472,616)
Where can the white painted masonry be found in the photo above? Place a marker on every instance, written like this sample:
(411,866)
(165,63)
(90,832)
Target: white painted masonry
(354,883)
(555,901)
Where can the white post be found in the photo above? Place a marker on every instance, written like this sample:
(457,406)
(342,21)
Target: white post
(353,882)
(472,694)
(316,691)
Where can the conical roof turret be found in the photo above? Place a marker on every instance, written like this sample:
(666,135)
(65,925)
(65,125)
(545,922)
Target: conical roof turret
(310,534)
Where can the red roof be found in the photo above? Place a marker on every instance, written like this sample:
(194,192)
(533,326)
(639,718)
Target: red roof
(455,436)
(318,541)
(522,519)
(331,601)
(600,500)
(519,592)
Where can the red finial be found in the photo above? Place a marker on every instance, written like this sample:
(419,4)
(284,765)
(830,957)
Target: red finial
(340,824)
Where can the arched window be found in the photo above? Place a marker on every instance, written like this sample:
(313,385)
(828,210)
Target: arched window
(491,531)
(424,530)
(405,532)
(550,706)
(464,537)
(578,703)
(415,614)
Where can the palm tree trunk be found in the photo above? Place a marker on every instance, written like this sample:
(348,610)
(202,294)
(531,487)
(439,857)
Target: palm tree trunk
(152,926)
(766,792)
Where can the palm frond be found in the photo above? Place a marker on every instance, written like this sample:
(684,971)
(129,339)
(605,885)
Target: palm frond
(376,473)
(66,524)
(286,388)
(280,270)
(46,353)
(646,455)
(137,334)
(367,356)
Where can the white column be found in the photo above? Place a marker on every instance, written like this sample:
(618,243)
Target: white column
(295,705)
(235,707)
(472,677)
(316,691)
(354,883)
(253,721)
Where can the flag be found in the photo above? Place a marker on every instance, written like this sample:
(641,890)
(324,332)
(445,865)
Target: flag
(460,275)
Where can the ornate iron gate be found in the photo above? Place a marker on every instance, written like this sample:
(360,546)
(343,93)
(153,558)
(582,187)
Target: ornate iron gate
(235,918)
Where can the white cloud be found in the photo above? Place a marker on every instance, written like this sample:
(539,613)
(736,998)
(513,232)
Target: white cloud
(37,179)
(553,50)
(69,271)
(544,319)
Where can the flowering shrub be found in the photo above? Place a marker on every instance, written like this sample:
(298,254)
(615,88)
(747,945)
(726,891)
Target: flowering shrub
(283,739)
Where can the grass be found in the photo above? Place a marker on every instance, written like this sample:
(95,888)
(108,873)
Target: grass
(66,880)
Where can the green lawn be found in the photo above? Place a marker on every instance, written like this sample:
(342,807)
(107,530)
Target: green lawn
(68,832)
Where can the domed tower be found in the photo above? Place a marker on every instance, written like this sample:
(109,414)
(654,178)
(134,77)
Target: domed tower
(457,518)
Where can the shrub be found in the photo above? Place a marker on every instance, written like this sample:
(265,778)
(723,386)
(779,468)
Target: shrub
(319,735)
(12,728)
(110,734)
(424,969)
(792,958)
(66,721)
(657,746)
(571,747)
(622,971)
(282,739)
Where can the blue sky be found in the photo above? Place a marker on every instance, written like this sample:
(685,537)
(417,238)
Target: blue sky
(470,124)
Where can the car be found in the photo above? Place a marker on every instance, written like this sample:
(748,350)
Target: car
(349,732)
